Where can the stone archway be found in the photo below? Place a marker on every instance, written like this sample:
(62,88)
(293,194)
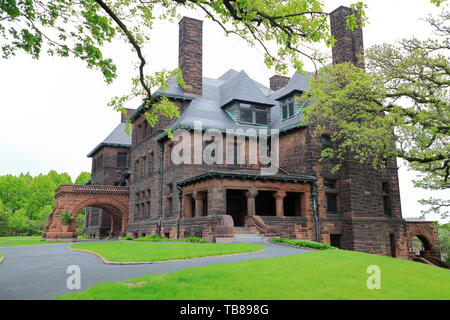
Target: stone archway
(427,234)
(73,198)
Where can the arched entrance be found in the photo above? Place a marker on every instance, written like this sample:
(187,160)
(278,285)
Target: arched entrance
(423,241)
(74,198)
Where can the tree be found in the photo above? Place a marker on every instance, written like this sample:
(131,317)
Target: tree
(444,241)
(83,177)
(81,28)
(17,222)
(399,107)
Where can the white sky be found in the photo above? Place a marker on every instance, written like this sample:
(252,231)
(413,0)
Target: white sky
(54,111)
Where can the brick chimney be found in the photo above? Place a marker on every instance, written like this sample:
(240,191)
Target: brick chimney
(124,116)
(190,54)
(349,44)
(277,82)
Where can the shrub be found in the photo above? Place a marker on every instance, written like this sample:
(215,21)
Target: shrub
(83,237)
(66,218)
(153,237)
(126,238)
(193,239)
(304,243)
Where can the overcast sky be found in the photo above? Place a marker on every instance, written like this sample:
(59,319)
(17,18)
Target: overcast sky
(54,111)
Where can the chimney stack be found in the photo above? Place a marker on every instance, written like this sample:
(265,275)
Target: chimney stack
(190,54)
(124,116)
(277,82)
(349,44)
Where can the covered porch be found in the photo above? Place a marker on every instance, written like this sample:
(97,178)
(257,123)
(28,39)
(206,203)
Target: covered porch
(245,193)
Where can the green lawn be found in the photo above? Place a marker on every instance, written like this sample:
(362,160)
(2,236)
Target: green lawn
(22,241)
(130,251)
(21,238)
(328,274)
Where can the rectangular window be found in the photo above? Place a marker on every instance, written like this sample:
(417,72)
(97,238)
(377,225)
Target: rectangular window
(331,193)
(122,160)
(331,203)
(255,114)
(261,117)
(284,110)
(246,116)
(288,107)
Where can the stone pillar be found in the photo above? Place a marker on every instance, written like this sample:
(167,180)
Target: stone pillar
(217,201)
(198,197)
(251,207)
(187,206)
(279,197)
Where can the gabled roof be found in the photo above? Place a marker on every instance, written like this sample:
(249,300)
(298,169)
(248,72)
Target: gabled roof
(241,88)
(117,138)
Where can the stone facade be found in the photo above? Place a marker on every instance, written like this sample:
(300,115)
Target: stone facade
(357,208)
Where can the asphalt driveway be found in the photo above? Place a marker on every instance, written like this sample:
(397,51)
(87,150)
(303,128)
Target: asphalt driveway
(39,272)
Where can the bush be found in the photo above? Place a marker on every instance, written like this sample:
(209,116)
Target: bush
(193,239)
(66,218)
(304,243)
(126,238)
(83,237)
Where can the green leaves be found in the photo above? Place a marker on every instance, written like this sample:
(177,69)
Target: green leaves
(400,107)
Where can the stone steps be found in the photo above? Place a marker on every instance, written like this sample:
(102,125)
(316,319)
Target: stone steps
(248,238)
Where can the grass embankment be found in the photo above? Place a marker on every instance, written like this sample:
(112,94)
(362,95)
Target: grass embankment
(328,274)
(22,241)
(131,251)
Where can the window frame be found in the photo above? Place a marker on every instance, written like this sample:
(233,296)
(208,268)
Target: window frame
(253,109)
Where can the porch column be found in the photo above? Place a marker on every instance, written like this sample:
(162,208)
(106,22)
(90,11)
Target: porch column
(187,206)
(279,197)
(198,197)
(251,208)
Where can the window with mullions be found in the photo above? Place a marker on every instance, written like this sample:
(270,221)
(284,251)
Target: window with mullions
(253,114)
(288,107)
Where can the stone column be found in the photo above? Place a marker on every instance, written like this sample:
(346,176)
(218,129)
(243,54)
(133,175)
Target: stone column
(251,207)
(198,197)
(279,197)
(187,206)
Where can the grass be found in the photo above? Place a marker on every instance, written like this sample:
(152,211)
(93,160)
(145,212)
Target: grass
(130,251)
(21,238)
(22,241)
(158,238)
(327,274)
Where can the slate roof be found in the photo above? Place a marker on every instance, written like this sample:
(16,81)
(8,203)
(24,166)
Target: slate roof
(298,82)
(117,138)
(233,85)
(241,88)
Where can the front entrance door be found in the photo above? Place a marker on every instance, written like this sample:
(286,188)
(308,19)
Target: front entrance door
(237,206)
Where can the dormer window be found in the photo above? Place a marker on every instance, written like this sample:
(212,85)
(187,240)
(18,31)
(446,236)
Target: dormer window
(288,107)
(253,114)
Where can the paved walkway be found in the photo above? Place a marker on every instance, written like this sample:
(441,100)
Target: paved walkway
(39,272)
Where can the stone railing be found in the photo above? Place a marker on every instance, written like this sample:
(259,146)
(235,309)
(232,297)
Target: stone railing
(92,189)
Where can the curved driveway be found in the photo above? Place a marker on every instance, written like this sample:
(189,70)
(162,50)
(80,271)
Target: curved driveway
(39,272)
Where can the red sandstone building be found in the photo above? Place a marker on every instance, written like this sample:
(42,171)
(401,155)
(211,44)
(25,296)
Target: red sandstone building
(357,208)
